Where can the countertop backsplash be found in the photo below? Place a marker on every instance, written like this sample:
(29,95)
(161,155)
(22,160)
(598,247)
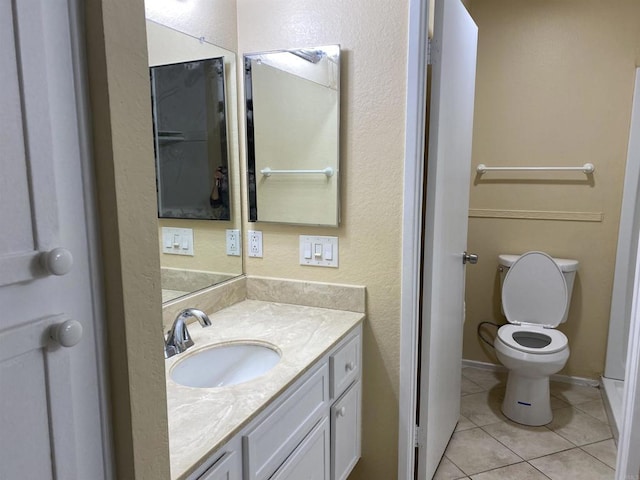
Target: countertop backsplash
(351,298)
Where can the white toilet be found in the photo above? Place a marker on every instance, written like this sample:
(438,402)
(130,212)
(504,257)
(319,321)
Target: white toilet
(536,293)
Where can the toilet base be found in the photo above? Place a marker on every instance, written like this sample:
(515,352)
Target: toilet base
(527,400)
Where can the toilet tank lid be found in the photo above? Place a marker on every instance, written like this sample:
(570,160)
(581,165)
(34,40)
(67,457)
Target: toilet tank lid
(565,264)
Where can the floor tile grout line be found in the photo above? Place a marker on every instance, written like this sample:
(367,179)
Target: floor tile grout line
(505,466)
(593,443)
(483,471)
(493,468)
(593,456)
(501,443)
(538,470)
(592,416)
(573,445)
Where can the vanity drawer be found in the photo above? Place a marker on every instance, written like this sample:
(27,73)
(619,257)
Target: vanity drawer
(345,366)
(270,443)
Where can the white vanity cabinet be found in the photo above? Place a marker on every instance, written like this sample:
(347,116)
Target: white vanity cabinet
(310,432)
(229,467)
(227,463)
(311,459)
(345,432)
(277,436)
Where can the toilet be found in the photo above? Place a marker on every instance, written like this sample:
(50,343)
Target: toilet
(536,294)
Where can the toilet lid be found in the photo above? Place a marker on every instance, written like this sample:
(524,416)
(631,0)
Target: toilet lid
(534,291)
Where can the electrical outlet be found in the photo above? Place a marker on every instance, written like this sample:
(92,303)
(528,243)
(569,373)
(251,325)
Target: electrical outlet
(233,242)
(255,243)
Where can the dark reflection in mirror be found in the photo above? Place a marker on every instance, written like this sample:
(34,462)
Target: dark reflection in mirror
(190,133)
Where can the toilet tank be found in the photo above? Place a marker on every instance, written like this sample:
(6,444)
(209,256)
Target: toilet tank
(568,267)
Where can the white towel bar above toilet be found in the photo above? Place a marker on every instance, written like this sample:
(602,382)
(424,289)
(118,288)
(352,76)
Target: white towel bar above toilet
(587,168)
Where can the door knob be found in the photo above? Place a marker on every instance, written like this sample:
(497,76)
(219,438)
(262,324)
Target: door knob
(471,258)
(67,333)
(57,261)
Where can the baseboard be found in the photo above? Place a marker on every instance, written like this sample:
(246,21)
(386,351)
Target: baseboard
(585,382)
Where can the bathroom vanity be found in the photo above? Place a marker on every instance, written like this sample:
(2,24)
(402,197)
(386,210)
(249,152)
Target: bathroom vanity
(301,419)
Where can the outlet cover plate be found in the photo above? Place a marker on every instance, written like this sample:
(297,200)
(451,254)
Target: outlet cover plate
(234,245)
(254,243)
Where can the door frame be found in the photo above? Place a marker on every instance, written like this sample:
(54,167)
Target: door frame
(412,211)
(415,127)
(629,438)
(80,69)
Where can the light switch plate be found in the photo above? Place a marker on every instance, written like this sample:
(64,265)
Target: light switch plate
(177,241)
(318,251)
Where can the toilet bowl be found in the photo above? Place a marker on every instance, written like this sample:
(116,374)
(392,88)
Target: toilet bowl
(536,293)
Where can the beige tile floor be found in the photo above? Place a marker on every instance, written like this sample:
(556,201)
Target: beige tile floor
(577,444)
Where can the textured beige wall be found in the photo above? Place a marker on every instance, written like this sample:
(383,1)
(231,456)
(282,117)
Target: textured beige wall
(215,20)
(373,39)
(554,87)
(119,96)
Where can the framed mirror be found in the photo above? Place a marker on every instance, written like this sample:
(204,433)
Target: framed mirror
(190,139)
(209,264)
(292,100)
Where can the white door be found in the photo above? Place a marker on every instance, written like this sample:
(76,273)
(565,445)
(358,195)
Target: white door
(628,465)
(52,420)
(453,59)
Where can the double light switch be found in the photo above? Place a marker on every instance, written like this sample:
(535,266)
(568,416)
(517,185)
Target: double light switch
(318,251)
(177,241)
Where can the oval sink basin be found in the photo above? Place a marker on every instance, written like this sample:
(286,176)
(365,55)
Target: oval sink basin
(223,365)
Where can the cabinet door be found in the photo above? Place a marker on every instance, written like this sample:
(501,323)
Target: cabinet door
(310,460)
(229,467)
(271,442)
(345,433)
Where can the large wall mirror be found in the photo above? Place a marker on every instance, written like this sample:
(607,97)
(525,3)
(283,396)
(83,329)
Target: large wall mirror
(208,170)
(292,117)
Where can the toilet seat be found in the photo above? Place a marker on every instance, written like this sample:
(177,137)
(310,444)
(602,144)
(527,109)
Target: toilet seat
(557,340)
(534,299)
(534,291)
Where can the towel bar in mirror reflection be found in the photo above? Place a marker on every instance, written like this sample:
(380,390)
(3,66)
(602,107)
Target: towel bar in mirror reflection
(292,100)
(267,172)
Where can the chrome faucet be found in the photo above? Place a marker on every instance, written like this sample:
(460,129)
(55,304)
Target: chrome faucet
(178,339)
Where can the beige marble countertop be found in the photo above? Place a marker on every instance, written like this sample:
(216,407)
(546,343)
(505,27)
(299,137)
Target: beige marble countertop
(201,420)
